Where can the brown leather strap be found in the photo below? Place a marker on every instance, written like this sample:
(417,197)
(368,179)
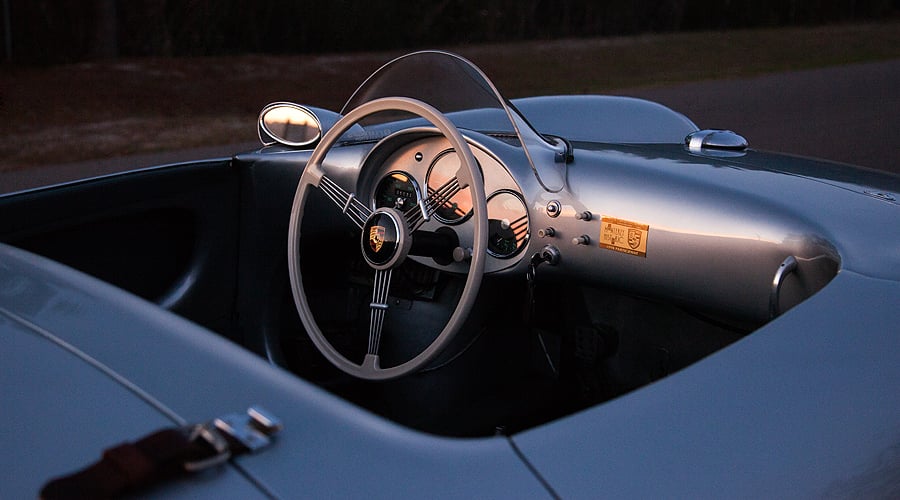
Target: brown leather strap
(167,454)
(129,467)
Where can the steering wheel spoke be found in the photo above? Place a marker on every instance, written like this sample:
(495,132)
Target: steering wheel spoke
(416,216)
(377,308)
(349,204)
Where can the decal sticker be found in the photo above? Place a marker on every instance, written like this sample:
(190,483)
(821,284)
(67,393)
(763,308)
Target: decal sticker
(624,236)
(376,238)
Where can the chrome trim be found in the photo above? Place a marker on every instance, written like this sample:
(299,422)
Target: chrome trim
(881,195)
(788,266)
(715,139)
(268,138)
(95,363)
(253,429)
(554,208)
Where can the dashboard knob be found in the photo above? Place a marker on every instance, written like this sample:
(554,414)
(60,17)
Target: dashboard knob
(581,240)
(546,232)
(460,254)
(585,216)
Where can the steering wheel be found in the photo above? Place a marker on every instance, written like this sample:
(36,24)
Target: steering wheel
(386,237)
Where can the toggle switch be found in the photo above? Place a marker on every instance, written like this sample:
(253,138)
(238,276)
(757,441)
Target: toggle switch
(582,240)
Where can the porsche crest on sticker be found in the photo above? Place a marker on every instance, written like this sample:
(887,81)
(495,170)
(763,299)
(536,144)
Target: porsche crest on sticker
(376,238)
(624,236)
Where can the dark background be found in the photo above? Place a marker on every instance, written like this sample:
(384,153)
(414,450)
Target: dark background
(89,87)
(41,32)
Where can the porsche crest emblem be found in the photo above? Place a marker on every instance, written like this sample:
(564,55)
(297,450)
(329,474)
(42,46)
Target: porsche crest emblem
(376,238)
(634,238)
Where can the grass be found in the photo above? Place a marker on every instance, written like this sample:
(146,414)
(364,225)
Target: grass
(97,110)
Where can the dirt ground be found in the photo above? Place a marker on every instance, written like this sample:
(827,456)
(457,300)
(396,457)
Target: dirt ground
(105,109)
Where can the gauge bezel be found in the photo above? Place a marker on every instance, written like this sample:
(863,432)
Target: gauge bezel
(437,216)
(524,244)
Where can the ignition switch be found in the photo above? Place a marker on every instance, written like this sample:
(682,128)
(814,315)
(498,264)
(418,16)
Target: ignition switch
(550,255)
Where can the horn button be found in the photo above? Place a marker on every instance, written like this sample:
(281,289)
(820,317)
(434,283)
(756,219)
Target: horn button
(385,239)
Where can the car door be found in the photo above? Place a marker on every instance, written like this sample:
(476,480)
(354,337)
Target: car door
(167,234)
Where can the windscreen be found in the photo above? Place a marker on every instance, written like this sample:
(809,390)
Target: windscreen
(443,80)
(462,92)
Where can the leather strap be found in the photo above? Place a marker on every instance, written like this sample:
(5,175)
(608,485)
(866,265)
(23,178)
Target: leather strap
(131,466)
(167,454)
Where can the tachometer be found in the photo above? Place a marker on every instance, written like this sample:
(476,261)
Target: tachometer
(507,224)
(456,207)
(397,190)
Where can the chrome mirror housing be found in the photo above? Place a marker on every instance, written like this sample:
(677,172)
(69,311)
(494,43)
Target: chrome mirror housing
(288,124)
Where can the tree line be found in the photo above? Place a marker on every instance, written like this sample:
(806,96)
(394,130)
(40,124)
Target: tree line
(60,31)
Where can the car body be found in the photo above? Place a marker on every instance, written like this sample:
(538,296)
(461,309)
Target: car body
(632,308)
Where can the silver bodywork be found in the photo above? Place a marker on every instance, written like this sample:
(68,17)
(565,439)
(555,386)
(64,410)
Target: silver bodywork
(806,251)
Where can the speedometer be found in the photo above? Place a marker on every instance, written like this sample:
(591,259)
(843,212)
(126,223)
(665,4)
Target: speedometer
(507,224)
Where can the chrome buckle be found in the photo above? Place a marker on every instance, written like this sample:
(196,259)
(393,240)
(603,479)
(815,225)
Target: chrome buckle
(253,429)
(233,434)
(214,439)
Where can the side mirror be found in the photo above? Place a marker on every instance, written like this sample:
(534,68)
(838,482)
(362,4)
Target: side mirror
(288,124)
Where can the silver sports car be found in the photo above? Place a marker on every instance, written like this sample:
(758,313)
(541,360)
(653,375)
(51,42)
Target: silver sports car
(438,292)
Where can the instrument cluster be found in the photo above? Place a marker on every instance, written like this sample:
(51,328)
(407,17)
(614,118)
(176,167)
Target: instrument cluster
(433,165)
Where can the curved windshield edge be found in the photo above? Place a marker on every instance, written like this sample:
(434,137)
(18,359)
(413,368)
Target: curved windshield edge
(452,85)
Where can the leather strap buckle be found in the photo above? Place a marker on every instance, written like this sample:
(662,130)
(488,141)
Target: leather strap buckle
(209,435)
(251,430)
(165,454)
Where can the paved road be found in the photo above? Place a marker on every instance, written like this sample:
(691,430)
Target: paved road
(849,114)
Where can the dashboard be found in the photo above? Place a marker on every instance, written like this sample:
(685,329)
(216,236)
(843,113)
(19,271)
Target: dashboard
(402,176)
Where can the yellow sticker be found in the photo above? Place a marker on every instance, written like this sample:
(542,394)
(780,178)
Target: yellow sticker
(624,236)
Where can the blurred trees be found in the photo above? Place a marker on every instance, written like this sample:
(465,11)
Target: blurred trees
(54,31)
